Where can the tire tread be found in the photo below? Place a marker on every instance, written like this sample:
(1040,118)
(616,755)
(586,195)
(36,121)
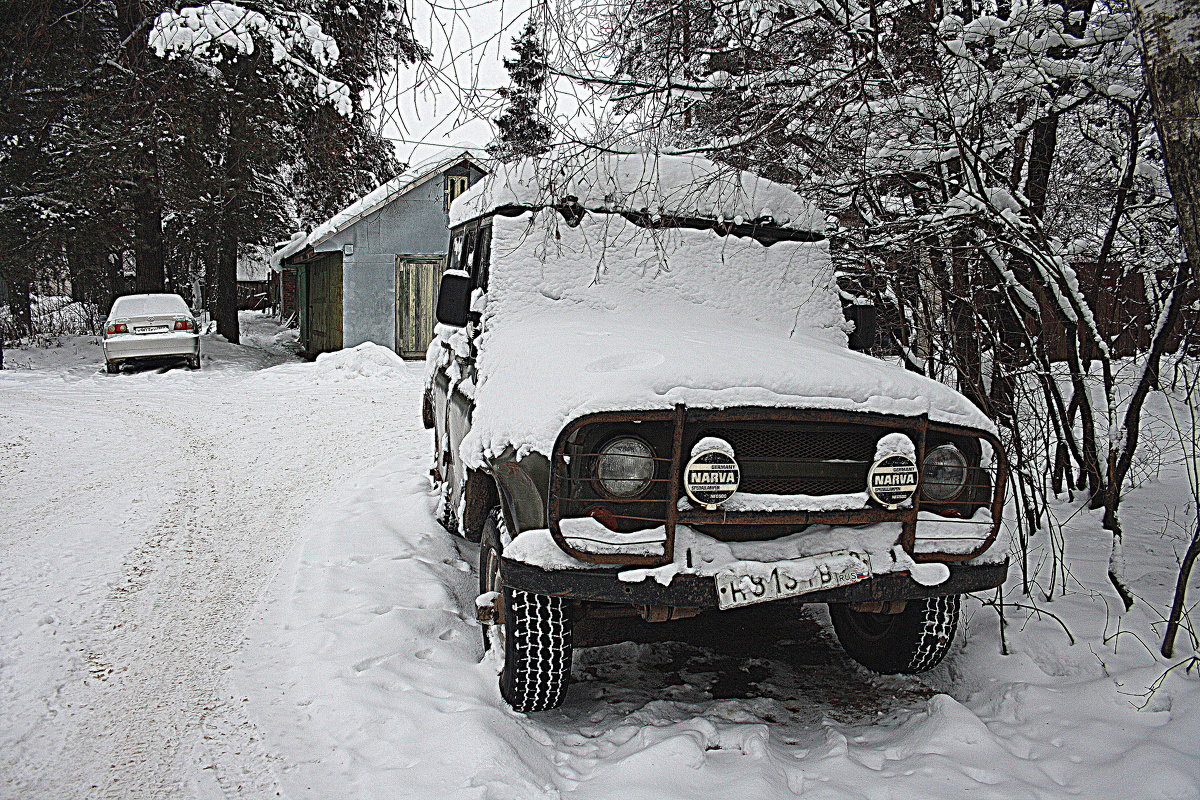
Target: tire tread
(916,641)
(537,640)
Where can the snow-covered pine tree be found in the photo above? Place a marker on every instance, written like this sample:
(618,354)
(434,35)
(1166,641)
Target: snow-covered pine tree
(127,138)
(341,157)
(523,130)
(291,137)
(59,165)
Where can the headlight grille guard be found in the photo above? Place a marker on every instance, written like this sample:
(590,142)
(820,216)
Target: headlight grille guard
(681,418)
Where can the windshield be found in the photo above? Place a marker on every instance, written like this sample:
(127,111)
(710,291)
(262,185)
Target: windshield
(540,264)
(140,305)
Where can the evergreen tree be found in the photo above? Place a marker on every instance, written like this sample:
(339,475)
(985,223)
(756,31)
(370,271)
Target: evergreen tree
(523,129)
(134,135)
(341,157)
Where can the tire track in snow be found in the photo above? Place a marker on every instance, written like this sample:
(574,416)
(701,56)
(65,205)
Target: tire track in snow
(173,622)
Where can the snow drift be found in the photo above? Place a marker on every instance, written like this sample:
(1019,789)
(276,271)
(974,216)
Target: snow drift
(367,360)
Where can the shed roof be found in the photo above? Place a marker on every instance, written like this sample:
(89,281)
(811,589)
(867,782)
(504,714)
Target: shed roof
(416,176)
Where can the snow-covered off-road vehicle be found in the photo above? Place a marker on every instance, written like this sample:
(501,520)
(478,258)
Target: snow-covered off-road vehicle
(644,406)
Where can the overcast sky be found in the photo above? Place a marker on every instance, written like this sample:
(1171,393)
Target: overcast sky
(449,101)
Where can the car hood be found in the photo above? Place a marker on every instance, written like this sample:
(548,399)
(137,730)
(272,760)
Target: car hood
(540,369)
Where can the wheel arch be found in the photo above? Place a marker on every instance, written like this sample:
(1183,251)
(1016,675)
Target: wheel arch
(480,495)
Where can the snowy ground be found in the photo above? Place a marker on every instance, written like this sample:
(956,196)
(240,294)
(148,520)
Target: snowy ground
(230,583)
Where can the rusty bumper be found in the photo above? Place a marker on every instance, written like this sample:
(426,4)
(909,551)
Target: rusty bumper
(602,585)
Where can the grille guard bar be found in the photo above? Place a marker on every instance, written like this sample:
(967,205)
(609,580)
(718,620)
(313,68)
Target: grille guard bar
(681,416)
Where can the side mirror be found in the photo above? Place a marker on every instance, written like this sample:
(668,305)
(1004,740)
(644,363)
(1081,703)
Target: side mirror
(866,325)
(454,298)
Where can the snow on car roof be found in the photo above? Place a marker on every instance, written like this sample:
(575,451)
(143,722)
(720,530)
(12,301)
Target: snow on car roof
(135,305)
(675,186)
(608,316)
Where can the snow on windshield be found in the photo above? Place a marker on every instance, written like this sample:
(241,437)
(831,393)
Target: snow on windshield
(686,186)
(142,304)
(607,262)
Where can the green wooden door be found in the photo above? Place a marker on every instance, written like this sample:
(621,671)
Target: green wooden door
(416,299)
(325,304)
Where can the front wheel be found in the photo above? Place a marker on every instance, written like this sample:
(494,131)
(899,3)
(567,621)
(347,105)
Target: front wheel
(530,632)
(913,641)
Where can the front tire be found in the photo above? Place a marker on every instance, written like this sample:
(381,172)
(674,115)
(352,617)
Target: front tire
(908,643)
(531,633)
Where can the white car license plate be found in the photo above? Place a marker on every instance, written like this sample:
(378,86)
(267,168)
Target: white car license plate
(153,329)
(735,588)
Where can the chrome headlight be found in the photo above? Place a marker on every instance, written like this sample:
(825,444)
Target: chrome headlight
(944,475)
(625,467)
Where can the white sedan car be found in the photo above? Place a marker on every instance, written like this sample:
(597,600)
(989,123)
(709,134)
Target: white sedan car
(150,326)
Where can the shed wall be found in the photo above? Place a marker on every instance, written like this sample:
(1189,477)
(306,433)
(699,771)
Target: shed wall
(414,224)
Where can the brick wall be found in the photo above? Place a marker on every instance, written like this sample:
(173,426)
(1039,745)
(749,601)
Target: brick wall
(288,301)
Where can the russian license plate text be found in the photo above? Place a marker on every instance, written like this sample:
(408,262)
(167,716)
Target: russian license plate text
(736,588)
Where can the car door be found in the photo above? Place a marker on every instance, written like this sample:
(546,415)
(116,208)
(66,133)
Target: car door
(453,388)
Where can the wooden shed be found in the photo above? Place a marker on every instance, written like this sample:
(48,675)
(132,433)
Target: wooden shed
(370,273)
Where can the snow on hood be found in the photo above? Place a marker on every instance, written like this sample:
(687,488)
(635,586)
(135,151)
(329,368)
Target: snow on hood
(607,316)
(687,186)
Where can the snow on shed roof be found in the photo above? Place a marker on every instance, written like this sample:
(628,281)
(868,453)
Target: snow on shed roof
(416,175)
(679,186)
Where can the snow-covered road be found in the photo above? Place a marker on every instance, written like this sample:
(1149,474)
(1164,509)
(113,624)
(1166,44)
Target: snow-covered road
(143,515)
(230,583)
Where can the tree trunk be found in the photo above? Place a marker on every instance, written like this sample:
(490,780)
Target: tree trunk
(146,197)
(114,278)
(1170,33)
(225,291)
(20,303)
(1041,161)
(147,226)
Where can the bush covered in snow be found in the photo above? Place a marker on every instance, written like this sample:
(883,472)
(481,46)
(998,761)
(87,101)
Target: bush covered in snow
(54,315)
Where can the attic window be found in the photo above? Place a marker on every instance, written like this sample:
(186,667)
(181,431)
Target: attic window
(455,185)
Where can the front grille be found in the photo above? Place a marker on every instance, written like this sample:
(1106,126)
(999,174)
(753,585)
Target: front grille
(808,486)
(800,458)
(780,451)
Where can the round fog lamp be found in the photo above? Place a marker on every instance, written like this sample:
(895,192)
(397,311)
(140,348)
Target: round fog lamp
(945,473)
(625,467)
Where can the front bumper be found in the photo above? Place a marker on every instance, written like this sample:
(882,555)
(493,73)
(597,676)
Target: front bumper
(602,585)
(151,345)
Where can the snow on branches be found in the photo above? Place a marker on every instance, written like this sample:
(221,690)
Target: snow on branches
(217,31)
(993,165)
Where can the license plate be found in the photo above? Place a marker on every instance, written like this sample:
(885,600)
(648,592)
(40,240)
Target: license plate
(790,578)
(153,329)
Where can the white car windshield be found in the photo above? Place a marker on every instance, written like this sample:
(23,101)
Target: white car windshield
(146,304)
